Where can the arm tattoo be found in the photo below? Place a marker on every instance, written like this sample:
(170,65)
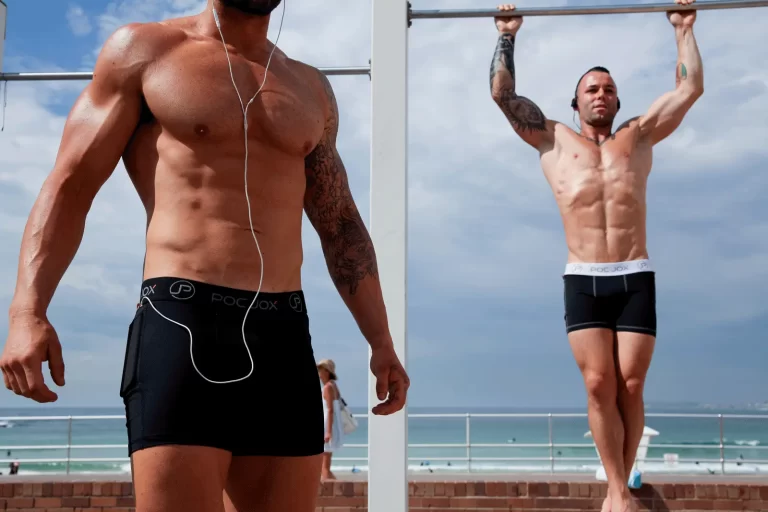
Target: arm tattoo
(524,114)
(682,74)
(503,56)
(626,124)
(329,205)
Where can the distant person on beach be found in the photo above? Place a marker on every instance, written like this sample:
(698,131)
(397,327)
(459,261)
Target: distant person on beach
(599,177)
(229,144)
(334,433)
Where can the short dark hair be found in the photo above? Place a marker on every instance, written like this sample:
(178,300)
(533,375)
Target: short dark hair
(596,68)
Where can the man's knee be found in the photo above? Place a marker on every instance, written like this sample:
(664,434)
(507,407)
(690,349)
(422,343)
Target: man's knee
(632,388)
(601,386)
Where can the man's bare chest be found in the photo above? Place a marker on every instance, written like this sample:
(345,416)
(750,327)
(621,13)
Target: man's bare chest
(191,94)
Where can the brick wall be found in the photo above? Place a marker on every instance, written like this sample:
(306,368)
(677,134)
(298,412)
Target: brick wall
(424,496)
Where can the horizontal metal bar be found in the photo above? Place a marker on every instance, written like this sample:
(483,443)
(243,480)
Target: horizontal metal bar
(64,447)
(59,418)
(515,459)
(42,461)
(87,75)
(588,10)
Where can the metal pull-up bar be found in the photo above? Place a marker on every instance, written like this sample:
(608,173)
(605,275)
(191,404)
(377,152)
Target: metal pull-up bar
(87,75)
(602,9)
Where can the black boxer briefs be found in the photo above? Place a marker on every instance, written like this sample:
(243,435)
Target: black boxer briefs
(276,411)
(616,296)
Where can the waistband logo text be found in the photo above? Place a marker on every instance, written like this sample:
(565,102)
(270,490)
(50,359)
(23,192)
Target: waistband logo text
(244,302)
(609,270)
(182,290)
(295,302)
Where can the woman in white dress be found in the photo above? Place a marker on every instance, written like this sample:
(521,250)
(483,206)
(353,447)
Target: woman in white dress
(334,433)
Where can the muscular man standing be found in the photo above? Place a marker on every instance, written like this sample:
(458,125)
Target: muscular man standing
(171,99)
(599,180)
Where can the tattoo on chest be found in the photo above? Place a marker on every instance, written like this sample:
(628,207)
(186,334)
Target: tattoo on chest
(611,137)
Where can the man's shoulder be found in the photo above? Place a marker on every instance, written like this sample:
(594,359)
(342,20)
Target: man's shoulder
(318,81)
(311,72)
(146,41)
(633,122)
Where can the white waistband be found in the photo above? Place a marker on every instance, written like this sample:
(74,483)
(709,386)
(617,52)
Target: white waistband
(608,269)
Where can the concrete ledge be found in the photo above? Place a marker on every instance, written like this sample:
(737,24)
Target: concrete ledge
(494,494)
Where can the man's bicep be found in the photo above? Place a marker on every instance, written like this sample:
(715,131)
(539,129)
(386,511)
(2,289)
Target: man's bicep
(665,115)
(102,120)
(328,196)
(526,118)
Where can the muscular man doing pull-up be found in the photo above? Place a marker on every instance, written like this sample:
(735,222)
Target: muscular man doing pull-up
(599,180)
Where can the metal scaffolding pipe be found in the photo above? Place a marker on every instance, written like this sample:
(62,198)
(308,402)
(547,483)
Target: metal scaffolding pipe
(87,75)
(603,9)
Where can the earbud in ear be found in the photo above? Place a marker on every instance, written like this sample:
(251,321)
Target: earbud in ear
(618,104)
(574,104)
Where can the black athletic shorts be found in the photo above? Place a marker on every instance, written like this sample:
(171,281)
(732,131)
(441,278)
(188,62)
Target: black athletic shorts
(616,296)
(276,411)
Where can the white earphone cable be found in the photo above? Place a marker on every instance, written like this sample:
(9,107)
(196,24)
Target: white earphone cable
(244,108)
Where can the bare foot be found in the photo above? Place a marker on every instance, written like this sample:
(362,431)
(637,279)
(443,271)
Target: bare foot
(328,476)
(624,505)
(606,505)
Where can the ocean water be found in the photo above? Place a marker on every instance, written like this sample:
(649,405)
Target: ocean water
(693,442)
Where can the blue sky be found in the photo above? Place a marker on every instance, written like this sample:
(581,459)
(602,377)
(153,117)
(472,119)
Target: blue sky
(486,248)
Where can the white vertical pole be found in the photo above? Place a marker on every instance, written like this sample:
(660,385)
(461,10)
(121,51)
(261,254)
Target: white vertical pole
(388,436)
(3,17)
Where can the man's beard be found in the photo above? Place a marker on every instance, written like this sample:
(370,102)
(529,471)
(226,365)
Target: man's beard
(253,7)
(599,121)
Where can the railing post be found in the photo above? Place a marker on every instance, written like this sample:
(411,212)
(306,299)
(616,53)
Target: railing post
(469,445)
(722,445)
(551,446)
(69,441)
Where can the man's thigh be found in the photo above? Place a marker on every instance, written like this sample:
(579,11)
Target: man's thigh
(179,478)
(635,352)
(273,484)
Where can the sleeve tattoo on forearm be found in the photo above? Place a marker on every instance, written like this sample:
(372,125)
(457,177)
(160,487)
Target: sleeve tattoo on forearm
(524,114)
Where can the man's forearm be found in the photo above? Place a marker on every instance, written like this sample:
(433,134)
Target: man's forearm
(526,117)
(502,79)
(351,261)
(689,72)
(51,238)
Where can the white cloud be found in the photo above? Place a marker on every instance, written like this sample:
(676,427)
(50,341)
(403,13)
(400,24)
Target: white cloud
(78,20)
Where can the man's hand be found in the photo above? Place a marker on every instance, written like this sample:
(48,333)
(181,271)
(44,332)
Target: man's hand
(32,340)
(682,19)
(508,24)
(392,383)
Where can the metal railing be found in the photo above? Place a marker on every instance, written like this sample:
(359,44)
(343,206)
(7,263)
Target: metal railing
(467,446)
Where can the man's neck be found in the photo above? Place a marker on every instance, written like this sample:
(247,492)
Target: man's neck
(597,134)
(246,32)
